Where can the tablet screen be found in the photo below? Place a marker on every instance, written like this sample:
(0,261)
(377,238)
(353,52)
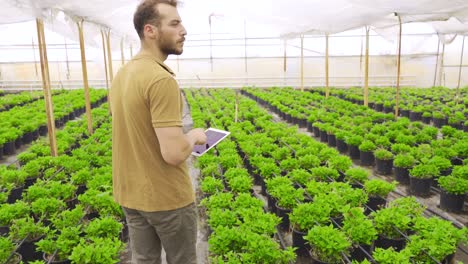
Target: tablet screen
(213,137)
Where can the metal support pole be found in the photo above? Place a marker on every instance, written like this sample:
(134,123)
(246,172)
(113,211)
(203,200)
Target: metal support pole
(105,62)
(457,96)
(85,77)
(366,74)
(437,62)
(46,87)
(35,61)
(245,46)
(109,57)
(397,99)
(122,55)
(441,69)
(131,51)
(327,80)
(66,57)
(302,62)
(211,43)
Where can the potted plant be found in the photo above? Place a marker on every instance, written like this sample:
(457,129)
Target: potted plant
(341,144)
(366,153)
(29,231)
(360,230)
(10,212)
(378,191)
(6,252)
(421,177)
(402,164)
(453,193)
(304,217)
(324,174)
(287,199)
(391,256)
(300,176)
(58,247)
(97,250)
(328,244)
(354,141)
(439,119)
(211,185)
(384,161)
(308,161)
(356,176)
(340,163)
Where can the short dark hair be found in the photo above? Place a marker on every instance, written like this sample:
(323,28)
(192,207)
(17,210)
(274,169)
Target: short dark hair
(147,13)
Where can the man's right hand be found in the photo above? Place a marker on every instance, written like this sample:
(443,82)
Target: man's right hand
(198,136)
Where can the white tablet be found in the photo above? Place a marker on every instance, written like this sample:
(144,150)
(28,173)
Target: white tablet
(213,137)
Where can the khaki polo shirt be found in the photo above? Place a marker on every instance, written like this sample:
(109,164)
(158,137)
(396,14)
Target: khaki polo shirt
(144,96)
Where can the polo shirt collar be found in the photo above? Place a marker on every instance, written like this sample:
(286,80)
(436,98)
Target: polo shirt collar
(149,55)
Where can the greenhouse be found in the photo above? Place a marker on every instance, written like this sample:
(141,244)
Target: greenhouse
(346,131)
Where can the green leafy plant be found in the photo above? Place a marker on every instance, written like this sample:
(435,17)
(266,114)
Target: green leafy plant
(105,227)
(404,161)
(307,215)
(390,256)
(10,212)
(26,228)
(241,183)
(400,148)
(367,146)
(340,163)
(358,227)
(309,161)
(357,175)
(60,245)
(300,175)
(328,243)
(377,187)
(454,185)
(383,154)
(324,173)
(97,250)
(211,185)
(6,249)
(424,171)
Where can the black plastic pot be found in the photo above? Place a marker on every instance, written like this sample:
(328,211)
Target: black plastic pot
(367,158)
(439,122)
(420,187)
(388,109)
(316,132)
(299,242)
(451,202)
(27,138)
(375,203)
(9,148)
(426,119)
(15,194)
(359,255)
(331,140)
(323,136)
(384,242)
(404,113)
(28,251)
(283,213)
(18,143)
(4,230)
(309,127)
(341,145)
(379,107)
(402,175)
(415,116)
(29,181)
(354,152)
(47,260)
(43,130)
(384,167)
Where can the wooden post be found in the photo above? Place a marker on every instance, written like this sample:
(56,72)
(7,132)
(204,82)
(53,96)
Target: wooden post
(302,62)
(85,77)
(366,74)
(437,62)
(457,96)
(441,69)
(327,83)
(46,87)
(360,62)
(109,57)
(35,61)
(105,62)
(122,55)
(397,99)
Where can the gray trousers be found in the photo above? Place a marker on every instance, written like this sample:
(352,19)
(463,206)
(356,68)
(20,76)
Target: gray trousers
(175,230)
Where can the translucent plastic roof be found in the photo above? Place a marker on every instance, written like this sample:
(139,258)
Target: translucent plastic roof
(287,18)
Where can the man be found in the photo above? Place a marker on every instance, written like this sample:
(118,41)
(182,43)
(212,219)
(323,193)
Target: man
(150,177)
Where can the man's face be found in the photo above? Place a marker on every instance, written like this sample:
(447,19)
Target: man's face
(171,32)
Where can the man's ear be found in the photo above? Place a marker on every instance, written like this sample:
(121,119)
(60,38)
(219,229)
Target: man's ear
(150,31)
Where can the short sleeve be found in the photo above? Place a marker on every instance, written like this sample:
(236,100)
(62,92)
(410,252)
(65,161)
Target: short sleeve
(164,101)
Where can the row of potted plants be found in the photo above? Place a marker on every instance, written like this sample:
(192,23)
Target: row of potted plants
(257,147)
(21,125)
(369,141)
(86,221)
(11,100)
(437,104)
